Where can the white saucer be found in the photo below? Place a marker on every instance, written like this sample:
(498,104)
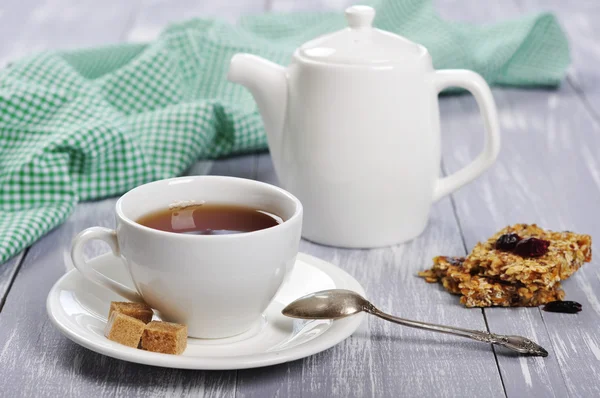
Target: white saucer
(78,308)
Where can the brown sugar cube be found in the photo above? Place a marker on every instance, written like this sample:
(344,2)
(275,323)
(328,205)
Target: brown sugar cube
(124,329)
(140,311)
(164,337)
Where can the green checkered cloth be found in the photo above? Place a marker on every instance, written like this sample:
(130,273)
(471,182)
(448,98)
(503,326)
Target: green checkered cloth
(95,123)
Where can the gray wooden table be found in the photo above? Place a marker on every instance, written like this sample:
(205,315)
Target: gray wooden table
(548,172)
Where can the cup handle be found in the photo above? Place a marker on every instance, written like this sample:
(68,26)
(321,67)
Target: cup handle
(109,236)
(477,86)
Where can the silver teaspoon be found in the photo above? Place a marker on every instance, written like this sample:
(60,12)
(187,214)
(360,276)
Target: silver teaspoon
(339,303)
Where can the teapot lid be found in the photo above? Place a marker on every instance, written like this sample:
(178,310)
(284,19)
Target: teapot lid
(360,43)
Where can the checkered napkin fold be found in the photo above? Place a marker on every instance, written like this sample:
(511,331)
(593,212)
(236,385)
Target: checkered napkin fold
(94,123)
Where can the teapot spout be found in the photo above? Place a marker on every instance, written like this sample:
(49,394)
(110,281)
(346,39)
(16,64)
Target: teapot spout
(268,84)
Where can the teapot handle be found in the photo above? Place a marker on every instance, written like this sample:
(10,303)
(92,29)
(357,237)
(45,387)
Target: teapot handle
(477,86)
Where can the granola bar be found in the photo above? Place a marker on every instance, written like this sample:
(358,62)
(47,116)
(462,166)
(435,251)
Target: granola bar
(482,291)
(566,253)
(448,271)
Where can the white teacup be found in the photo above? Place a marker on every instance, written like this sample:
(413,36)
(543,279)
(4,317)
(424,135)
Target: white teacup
(218,285)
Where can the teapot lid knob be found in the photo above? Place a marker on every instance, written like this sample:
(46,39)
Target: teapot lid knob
(360,16)
(360,44)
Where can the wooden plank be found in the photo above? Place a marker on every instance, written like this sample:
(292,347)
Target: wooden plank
(533,181)
(389,277)
(383,359)
(563,193)
(8,271)
(265,171)
(308,5)
(546,173)
(236,166)
(392,364)
(36,360)
(155,15)
(576,340)
(536,376)
(13,19)
(372,362)
(532,376)
(33,25)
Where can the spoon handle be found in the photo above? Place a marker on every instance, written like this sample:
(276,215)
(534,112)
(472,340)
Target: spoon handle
(515,343)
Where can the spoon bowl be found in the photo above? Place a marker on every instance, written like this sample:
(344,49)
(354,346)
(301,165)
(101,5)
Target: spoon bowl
(327,304)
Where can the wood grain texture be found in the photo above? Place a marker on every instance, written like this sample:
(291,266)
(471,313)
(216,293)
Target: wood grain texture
(462,139)
(380,360)
(154,15)
(33,25)
(546,173)
(401,361)
(244,166)
(36,360)
(8,271)
(557,192)
(535,376)
(383,359)
(309,5)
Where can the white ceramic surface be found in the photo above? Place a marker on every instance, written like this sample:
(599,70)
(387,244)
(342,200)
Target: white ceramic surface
(354,132)
(218,285)
(78,308)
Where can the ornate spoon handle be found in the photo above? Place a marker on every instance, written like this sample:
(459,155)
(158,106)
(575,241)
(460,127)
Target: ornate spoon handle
(515,343)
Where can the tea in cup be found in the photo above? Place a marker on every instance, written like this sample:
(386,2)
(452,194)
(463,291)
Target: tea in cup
(209,252)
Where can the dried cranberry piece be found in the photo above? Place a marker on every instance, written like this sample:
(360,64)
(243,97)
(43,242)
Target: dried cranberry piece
(507,242)
(531,247)
(567,307)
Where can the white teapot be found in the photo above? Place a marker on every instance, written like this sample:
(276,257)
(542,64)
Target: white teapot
(354,132)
